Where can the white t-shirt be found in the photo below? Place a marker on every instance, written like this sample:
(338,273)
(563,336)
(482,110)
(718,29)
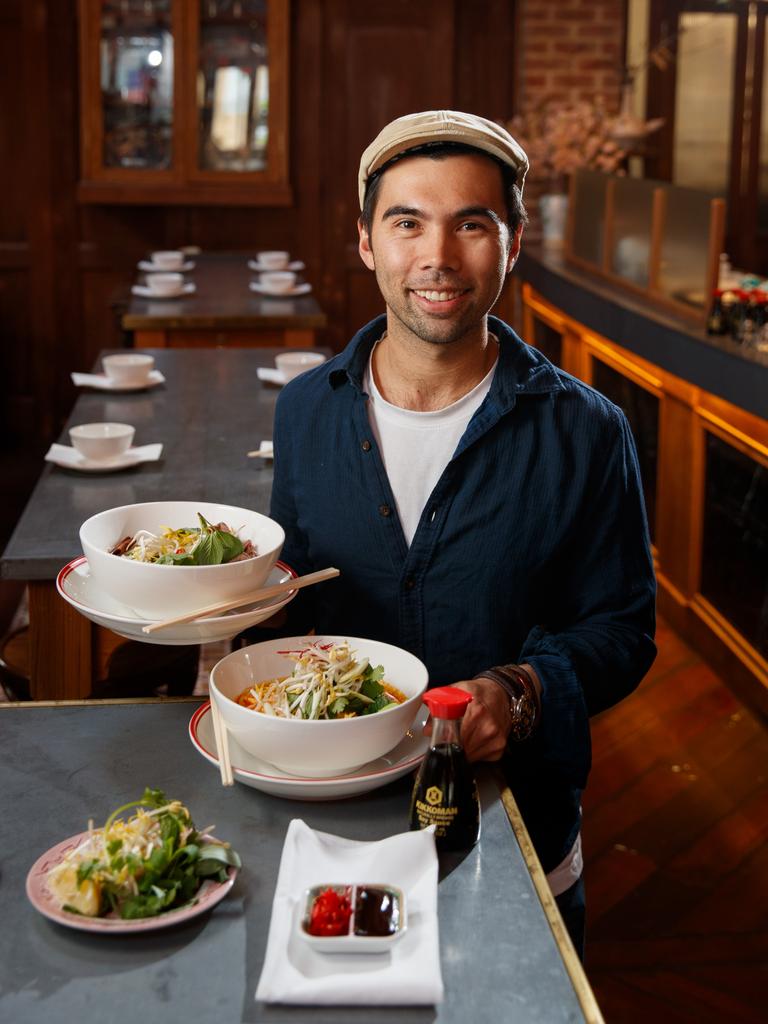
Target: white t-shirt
(417,446)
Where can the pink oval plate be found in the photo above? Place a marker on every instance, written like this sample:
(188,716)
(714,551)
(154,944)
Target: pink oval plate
(208,895)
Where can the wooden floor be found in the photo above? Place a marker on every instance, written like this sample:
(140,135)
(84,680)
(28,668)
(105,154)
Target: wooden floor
(676,851)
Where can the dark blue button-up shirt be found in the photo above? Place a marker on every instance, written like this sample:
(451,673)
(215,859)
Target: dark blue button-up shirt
(533,547)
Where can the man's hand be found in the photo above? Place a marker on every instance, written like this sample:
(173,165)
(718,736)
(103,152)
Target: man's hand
(487,720)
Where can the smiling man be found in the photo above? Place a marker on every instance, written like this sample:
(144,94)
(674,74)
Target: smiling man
(483,506)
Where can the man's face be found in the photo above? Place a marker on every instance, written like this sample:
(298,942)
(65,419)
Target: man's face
(440,245)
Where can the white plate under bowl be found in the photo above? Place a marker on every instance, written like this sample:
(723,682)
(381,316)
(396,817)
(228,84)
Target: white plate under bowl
(292,293)
(146,293)
(102,382)
(78,587)
(258,774)
(294,265)
(152,268)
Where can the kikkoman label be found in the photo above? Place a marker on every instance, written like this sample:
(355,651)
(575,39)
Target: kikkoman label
(430,811)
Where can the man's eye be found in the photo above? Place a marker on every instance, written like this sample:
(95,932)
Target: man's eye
(471,225)
(406,224)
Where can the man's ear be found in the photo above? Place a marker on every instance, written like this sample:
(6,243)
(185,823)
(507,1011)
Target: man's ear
(514,248)
(364,246)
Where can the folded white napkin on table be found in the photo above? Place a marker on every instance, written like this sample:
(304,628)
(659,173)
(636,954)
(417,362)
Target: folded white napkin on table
(105,383)
(271,374)
(407,974)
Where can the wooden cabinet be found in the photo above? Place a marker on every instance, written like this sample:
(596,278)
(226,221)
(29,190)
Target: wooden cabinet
(184,101)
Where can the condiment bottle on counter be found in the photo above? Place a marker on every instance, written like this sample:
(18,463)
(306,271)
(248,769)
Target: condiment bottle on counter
(445,791)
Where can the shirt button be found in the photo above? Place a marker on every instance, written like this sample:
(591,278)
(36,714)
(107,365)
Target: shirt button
(366,446)
(409,583)
(385,510)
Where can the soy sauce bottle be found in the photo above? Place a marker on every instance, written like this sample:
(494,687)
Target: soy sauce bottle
(445,791)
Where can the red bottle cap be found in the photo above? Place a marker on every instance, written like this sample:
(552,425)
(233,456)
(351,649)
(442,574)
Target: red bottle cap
(447,701)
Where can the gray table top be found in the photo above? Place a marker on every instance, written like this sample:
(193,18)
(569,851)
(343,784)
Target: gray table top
(211,410)
(63,765)
(223,299)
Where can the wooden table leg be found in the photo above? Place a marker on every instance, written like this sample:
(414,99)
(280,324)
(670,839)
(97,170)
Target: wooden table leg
(60,642)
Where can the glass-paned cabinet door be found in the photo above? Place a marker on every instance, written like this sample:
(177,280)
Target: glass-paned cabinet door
(184,101)
(136,76)
(233,86)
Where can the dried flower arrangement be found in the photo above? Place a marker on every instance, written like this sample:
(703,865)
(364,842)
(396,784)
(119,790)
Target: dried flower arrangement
(560,138)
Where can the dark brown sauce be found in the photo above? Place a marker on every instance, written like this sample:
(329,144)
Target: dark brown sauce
(377,911)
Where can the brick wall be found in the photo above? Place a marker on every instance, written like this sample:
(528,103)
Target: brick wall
(570,50)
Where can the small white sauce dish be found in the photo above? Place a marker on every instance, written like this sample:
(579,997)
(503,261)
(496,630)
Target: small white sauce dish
(356,939)
(128,369)
(102,440)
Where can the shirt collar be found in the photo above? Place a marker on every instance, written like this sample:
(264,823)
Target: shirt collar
(521,370)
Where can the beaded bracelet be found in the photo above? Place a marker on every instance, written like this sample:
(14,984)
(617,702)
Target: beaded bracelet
(525,703)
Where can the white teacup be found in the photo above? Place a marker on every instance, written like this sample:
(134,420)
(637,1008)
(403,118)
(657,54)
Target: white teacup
(168,259)
(165,284)
(102,440)
(278,281)
(274,259)
(129,369)
(291,364)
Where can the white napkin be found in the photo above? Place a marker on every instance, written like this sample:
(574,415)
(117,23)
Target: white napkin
(101,380)
(271,374)
(407,974)
(63,455)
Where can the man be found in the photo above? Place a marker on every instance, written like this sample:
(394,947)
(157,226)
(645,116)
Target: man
(483,506)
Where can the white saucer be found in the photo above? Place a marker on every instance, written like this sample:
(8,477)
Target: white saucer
(152,268)
(261,269)
(70,458)
(299,289)
(146,293)
(78,587)
(104,383)
(258,774)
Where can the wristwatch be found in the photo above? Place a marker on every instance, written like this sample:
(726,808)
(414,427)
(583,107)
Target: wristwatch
(524,700)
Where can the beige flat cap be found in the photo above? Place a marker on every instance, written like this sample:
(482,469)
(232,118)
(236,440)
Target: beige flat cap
(441,126)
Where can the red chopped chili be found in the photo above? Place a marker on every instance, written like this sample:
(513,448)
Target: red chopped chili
(330,914)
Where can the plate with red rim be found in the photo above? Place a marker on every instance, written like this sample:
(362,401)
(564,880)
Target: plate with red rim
(258,774)
(42,899)
(77,586)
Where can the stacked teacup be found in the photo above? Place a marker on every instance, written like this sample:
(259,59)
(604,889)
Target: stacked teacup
(275,275)
(167,280)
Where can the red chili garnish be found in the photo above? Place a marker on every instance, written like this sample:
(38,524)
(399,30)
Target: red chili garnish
(330,914)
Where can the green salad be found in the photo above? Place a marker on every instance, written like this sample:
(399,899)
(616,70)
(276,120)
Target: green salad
(154,861)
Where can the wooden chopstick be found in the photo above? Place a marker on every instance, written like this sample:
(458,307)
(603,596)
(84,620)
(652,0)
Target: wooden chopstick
(257,595)
(222,745)
(259,454)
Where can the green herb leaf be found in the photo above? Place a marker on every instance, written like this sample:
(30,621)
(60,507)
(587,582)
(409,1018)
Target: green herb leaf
(215,546)
(338,707)
(370,688)
(381,702)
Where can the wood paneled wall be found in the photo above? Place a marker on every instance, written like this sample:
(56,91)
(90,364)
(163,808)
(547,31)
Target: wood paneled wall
(65,267)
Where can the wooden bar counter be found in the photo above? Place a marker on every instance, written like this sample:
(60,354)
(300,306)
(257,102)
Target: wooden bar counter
(698,408)
(223,312)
